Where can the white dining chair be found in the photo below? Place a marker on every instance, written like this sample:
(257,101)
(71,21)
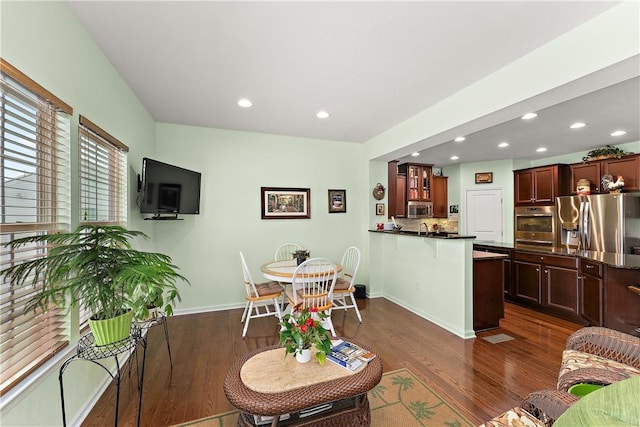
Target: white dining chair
(345,284)
(285,251)
(259,296)
(312,287)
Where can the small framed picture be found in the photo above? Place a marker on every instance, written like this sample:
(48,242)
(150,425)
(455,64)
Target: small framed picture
(337,201)
(285,203)
(484,177)
(379,208)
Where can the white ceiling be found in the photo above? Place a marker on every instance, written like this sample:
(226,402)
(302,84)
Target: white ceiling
(371,65)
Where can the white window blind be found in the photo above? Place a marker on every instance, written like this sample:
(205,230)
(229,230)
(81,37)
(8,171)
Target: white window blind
(35,192)
(103,176)
(103,181)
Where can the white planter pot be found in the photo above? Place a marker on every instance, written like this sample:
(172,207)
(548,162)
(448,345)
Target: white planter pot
(303,356)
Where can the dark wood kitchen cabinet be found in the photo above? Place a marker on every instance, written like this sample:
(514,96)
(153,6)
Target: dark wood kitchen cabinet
(622,303)
(549,283)
(418,181)
(488,301)
(591,289)
(541,185)
(527,280)
(440,197)
(507,268)
(628,167)
(396,192)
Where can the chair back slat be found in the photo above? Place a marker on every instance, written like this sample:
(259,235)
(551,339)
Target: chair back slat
(313,283)
(250,286)
(350,264)
(285,251)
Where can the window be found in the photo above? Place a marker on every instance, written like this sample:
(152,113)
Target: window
(35,192)
(103,181)
(103,176)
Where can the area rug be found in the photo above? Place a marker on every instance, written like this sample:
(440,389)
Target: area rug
(400,399)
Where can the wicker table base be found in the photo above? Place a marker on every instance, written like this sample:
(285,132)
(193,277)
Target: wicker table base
(348,395)
(355,413)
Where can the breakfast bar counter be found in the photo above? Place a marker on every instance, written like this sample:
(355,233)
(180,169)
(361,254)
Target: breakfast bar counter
(430,276)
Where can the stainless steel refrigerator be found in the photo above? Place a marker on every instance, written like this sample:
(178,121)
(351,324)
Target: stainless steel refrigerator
(599,222)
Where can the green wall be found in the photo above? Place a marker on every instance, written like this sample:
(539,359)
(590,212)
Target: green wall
(234,166)
(45,41)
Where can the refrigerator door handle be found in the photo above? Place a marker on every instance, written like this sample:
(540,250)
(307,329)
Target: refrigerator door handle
(584,225)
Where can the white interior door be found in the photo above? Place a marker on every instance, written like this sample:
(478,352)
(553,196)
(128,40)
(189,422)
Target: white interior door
(484,214)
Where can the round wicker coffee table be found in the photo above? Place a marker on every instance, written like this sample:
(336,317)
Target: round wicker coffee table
(347,393)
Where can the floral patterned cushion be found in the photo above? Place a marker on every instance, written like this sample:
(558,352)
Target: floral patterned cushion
(516,417)
(573,360)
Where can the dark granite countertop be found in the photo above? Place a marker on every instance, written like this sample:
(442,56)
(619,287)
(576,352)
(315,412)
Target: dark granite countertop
(430,235)
(627,261)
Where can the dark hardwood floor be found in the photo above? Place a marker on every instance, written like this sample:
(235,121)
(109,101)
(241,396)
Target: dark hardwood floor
(480,378)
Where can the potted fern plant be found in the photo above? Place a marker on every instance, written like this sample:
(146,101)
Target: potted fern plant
(96,267)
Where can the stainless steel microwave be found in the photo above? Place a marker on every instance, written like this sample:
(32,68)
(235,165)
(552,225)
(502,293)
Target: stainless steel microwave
(419,209)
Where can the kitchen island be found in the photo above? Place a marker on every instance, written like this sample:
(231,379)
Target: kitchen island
(587,287)
(432,276)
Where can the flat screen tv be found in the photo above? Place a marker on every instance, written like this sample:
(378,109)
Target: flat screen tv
(169,189)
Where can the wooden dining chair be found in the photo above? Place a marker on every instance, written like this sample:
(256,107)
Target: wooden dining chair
(345,284)
(285,251)
(259,296)
(312,287)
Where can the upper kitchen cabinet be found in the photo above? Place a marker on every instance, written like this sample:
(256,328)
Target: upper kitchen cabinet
(541,185)
(418,181)
(396,191)
(440,196)
(628,167)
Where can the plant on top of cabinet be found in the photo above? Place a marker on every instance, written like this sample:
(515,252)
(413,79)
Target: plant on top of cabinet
(606,152)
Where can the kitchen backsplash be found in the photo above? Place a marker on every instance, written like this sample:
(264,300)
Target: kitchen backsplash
(414,224)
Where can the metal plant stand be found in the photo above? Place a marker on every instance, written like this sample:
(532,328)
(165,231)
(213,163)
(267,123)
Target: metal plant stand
(87,350)
(160,318)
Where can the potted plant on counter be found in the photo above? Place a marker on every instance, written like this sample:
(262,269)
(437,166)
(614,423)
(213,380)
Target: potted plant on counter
(96,267)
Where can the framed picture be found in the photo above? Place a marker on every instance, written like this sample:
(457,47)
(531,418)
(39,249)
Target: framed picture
(337,201)
(484,177)
(379,208)
(285,203)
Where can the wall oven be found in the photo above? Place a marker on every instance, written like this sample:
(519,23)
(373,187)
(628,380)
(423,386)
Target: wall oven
(535,225)
(419,209)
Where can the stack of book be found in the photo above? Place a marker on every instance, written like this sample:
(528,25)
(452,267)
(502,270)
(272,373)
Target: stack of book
(349,355)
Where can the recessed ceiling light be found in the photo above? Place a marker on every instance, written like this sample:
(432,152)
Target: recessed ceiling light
(460,139)
(541,149)
(503,144)
(415,154)
(529,116)
(454,157)
(618,133)
(577,125)
(245,103)
(322,114)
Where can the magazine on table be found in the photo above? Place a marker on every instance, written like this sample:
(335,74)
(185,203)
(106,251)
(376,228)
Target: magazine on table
(349,355)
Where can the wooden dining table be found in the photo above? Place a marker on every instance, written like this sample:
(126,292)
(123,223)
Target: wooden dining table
(282,271)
